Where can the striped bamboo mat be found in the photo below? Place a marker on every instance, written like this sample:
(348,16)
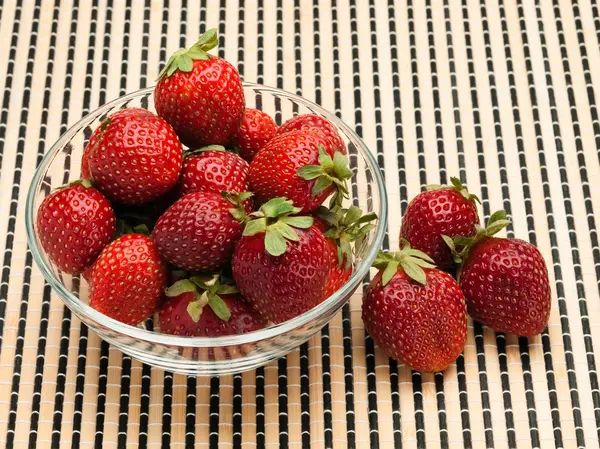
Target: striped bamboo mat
(500,92)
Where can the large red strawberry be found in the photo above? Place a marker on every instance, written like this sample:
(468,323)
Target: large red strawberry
(280,264)
(199,231)
(300,166)
(256,130)
(200,95)
(213,169)
(128,279)
(207,306)
(318,124)
(440,211)
(505,281)
(135,158)
(342,229)
(74,224)
(415,312)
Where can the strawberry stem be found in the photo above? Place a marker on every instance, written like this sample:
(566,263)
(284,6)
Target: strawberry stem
(410,260)
(183,59)
(459,187)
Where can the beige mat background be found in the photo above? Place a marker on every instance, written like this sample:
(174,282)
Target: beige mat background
(502,93)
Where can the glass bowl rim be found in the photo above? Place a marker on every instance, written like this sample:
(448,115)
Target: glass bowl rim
(83,309)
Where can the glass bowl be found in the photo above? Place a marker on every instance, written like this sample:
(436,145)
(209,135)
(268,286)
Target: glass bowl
(202,355)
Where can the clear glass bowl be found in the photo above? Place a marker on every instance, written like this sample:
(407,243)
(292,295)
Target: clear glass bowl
(201,355)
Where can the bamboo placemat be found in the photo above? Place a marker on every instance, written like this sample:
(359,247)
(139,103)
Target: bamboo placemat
(501,93)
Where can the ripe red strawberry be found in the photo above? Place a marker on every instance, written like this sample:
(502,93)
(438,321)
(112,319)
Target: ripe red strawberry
(342,227)
(438,212)
(317,124)
(128,279)
(414,312)
(136,158)
(300,166)
(74,224)
(200,95)
(280,264)
(256,130)
(199,231)
(212,169)
(505,281)
(203,306)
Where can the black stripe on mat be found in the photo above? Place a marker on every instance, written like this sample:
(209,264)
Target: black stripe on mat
(416,376)
(282,362)
(325,354)
(104,347)
(346,321)
(589,88)
(190,413)
(304,364)
(21,324)
(460,361)
(596,16)
(7,259)
(45,309)
(126,360)
(260,372)
(401,161)
(213,420)
(478,329)
(167,410)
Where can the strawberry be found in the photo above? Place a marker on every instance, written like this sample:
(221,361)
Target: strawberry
(300,166)
(280,264)
(74,223)
(199,231)
(317,124)
(204,306)
(342,227)
(256,130)
(505,281)
(415,312)
(136,157)
(200,95)
(212,169)
(440,211)
(128,279)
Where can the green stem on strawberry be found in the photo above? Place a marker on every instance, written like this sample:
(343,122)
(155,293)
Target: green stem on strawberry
(461,245)
(412,261)
(237,200)
(459,187)
(276,219)
(204,150)
(329,171)
(346,226)
(183,59)
(207,290)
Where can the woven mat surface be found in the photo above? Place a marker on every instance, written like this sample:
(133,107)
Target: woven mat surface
(502,93)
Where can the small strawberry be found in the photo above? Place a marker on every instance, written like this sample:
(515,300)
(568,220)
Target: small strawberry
(415,312)
(212,169)
(505,281)
(317,124)
(74,224)
(136,157)
(439,211)
(199,231)
(341,228)
(281,263)
(128,279)
(200,95)
(301,166)
(256,130)
(205,306)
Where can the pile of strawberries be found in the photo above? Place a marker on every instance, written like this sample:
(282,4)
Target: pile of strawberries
(221,238)
(416,312)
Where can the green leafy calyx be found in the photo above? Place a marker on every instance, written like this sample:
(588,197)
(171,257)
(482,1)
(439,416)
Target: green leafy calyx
(459,187)
(277,219)
(204,150)
(237,200)
(410,260)
(461,245)
(183,59)
(207,290)
(330,171)
(347,226)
